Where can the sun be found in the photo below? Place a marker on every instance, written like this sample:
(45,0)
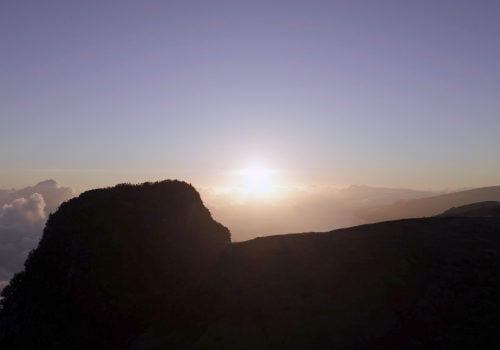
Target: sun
(257,179)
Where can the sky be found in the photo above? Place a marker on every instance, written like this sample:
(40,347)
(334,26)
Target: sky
(385,93)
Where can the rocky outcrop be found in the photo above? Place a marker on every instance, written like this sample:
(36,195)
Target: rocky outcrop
(111,263)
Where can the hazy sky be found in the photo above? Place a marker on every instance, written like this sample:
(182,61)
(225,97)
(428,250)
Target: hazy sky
(388,93)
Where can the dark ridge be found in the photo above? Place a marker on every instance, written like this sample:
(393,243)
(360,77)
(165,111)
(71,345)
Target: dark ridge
(146,267)
(481,209)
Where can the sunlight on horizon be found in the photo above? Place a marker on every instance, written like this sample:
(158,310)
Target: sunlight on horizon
(253,183)
(257,178)
(256,182)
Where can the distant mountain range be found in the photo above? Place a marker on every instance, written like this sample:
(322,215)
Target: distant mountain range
(312,209)
(146,267)
(365,195)
(429,206)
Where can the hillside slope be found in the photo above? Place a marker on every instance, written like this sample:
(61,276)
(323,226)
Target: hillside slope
(411,284)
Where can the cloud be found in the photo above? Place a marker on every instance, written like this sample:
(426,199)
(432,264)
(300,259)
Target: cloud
(23,214)
(51,192)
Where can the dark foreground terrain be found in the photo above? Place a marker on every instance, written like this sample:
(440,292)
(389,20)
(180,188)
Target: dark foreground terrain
(146,267)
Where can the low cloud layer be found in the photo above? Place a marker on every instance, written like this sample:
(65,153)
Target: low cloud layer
(22,217)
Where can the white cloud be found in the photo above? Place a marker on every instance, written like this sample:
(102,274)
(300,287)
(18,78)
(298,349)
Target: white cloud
(22,217)
(52,194)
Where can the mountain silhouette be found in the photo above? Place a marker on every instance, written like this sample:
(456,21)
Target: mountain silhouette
(109,263)
(146,267)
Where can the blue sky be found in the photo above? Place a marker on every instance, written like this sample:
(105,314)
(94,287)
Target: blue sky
(388,93)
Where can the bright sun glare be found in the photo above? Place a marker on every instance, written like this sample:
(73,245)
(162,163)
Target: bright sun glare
(257,179)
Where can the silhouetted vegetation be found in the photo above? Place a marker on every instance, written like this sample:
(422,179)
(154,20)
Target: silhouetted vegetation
(146,267)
